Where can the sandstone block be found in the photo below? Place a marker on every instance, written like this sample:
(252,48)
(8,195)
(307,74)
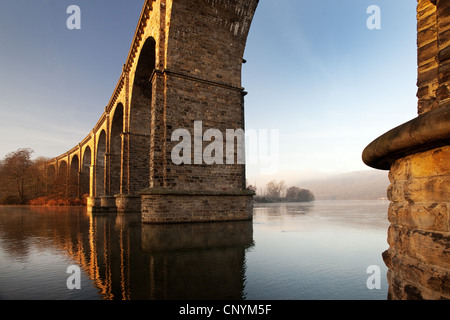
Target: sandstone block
(434,189)
(423,216)
(430,248)
(430,163)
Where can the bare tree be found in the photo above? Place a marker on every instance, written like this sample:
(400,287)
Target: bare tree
(37,177)
(275,189)
(15,167)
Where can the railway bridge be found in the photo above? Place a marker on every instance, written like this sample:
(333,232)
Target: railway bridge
(183,67)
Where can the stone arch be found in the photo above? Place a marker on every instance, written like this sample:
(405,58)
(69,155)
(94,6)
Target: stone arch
(61,183)
(74,177)
(115,152)
(85,172)
(100,165)
(50,180)
(140,117)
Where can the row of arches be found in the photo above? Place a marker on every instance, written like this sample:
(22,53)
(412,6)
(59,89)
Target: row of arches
(114,159)
(72,178)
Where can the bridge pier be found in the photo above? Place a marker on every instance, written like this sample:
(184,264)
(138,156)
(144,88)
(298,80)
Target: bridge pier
(417,154)
(121,203)
(108,203)
(168,206)
(128,203)
(92,204)
(103,204)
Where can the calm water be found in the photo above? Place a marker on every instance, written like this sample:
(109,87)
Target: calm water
(319,250)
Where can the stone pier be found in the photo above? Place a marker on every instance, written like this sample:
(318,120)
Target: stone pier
(417,154)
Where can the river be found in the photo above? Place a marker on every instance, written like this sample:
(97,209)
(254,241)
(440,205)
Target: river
(290,251)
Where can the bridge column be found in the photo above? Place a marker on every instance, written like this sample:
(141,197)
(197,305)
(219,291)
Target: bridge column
(50,180)
(62,178)
(197,78)
(124,177)
(78,185)
(128,200)
(417,154)
(92,201)
(74,179)
(107,201)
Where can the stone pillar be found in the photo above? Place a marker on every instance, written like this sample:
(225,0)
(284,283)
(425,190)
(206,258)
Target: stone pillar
(91,199)
(417,154)
(79,184)
(125,173)
(157,140)
(419,257)
(92,181)
(128,201)
(106,181)
(108,201)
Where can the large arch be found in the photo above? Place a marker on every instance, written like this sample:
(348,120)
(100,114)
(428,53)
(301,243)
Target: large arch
(115,153)
(86,172)
(140,118)
(50,180)
(62,181)
(74,177)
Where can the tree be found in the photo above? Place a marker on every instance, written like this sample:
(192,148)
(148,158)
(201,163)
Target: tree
(37,177)
(296,194)
(274,190)
(15,168)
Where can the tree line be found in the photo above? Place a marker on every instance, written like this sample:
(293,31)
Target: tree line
(24,180)
(279,192)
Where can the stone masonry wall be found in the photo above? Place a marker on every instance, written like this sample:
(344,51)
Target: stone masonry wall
(189,207)
(419,236)
(201,82)
(217,108)
(433,40)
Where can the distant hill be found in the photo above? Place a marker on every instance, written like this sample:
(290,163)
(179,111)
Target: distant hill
(358,185)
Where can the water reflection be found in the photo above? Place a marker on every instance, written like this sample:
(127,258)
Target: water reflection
(277,210)
(128,260)
(297,251)
(199,261)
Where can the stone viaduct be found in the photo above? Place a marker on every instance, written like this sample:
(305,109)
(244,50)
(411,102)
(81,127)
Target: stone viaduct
(184,65)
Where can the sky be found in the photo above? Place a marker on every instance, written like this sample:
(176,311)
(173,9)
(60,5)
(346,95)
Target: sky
(316,75)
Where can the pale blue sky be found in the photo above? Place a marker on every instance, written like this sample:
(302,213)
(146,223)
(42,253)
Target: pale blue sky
(314,72)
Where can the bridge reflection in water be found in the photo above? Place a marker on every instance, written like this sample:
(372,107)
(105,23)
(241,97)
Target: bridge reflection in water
(130,260)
